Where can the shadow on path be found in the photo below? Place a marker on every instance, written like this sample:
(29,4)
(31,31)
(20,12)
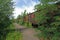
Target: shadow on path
(20,29)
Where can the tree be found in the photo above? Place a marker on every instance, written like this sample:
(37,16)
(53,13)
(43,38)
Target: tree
(23,16)
(49,19)
(20,18)
(6,8)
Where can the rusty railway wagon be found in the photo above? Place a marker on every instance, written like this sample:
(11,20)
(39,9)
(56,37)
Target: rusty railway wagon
(30,17)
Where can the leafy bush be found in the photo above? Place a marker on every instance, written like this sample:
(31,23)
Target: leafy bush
(15,35)
(49,20)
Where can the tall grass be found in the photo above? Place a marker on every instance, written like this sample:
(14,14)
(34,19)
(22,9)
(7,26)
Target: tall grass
(13,34)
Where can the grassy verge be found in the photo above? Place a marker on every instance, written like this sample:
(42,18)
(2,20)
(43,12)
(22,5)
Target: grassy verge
(13,35)
(28,25)
(11,27)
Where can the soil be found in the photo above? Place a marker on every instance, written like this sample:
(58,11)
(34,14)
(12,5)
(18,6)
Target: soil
(27,33)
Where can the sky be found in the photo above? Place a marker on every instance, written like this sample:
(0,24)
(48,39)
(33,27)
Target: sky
(21,5)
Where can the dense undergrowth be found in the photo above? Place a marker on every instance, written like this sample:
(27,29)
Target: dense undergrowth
(13,34)
(10,33)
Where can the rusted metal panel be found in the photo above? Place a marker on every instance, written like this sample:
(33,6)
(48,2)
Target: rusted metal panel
(26,18)
(31,17)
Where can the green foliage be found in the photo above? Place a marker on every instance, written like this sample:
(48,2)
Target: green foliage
(28,24)
(48,17)
(46,1)
(20,18)
(3,33)
(6,8)
(16,35)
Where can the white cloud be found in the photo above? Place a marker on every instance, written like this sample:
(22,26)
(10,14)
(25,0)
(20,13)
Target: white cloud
(17,11)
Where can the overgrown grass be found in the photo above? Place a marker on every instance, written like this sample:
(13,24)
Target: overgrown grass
(11,26)
(25,24)
(13,34)
(28,25)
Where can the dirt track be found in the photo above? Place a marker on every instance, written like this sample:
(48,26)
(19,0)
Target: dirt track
(28,33)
